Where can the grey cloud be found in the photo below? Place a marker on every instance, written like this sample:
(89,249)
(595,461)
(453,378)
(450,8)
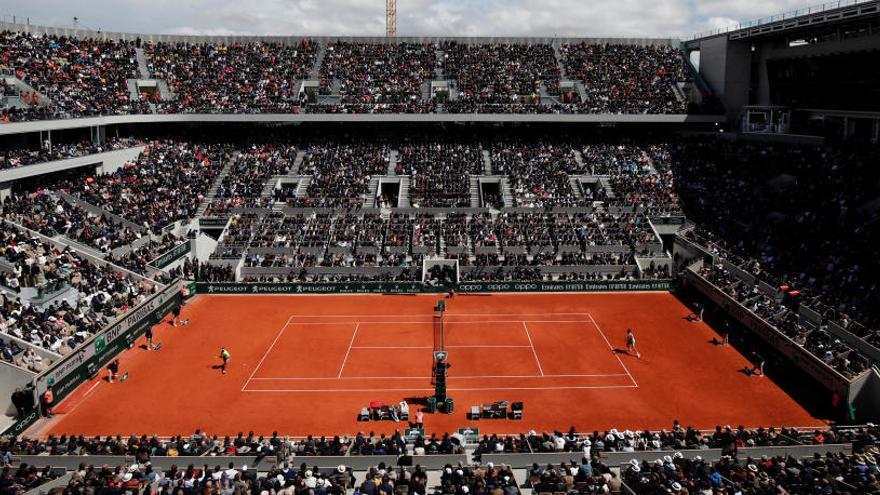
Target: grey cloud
(655,18)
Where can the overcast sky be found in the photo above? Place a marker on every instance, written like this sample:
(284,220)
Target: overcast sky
(641,18)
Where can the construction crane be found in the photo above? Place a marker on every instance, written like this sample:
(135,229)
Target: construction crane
(391,18)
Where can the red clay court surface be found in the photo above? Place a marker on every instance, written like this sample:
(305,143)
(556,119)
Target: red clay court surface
(307,364)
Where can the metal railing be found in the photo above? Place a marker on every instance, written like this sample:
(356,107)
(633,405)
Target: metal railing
(815,9)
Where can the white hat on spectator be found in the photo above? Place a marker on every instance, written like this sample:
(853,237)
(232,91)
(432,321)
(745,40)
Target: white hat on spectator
(465,489)
(340,468)
(634,462)
(126,477)
(490,465)
(677,455)
(667,459)
(655,444)
(676,486)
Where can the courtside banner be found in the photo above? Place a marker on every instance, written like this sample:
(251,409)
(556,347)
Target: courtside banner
(418,288)
(562,286)
(22,424)
(172,255)
(80,366)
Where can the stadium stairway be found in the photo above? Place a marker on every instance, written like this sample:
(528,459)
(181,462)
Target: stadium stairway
(441,239)
(393,156)
(212,193)
(579,159)
(506,192)
(372,192)
(142,63)
(487,163)
(164,92)
(302,186)
(563,75)
(403,198)
(133,94)
(297,162)
(678,92)
(475,191)
(574,180)
(439,74)
(315,73)
(581,89)
(270,185)
(545,95)
(650,163)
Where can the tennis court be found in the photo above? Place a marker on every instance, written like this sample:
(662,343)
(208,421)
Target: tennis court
(307,364)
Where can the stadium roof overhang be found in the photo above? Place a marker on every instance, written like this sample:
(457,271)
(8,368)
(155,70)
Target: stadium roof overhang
(826,14)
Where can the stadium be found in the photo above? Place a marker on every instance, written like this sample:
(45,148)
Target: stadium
(460,265)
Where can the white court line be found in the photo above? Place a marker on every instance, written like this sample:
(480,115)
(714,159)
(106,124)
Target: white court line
(81,399)
(613,351)
(423,315)
(449,389)
(446,347)
(526,328)
(345,359)
(426,322)
(266,354)
(474,377)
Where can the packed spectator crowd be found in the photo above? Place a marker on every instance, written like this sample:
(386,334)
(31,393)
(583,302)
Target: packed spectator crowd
(588,471)
(799,216)
(80,77)
(73,77)
(388,75)
(440,172)
(839,355)
(51,215)
(137,259)
(539,173)
(166,183)
(246,77)
(627,78)
(829,473)
(340,173)
(99,295)
(500,74)
(536,246)
(13,157)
